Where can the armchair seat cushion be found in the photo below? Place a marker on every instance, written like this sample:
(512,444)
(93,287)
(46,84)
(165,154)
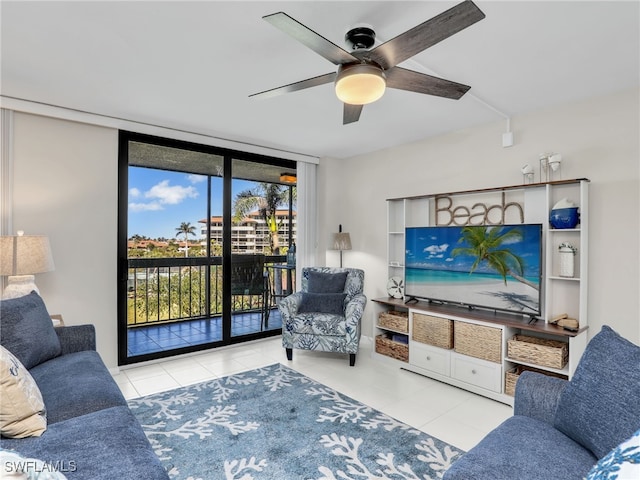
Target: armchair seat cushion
(326,324)
(522,448)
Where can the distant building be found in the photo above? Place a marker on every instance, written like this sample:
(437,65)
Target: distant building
(146,244)
(251,235)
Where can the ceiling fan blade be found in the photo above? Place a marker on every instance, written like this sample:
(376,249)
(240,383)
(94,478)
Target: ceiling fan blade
(294,87)
(311,39)
(423,36)
(351,113)
(404,79)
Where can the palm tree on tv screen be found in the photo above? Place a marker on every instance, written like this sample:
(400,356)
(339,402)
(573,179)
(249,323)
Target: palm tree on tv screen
(487,244)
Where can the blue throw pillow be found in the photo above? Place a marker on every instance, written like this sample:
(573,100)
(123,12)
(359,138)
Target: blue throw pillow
(325,282)
(322,303)
(599,408)
(620,463)
(27,330)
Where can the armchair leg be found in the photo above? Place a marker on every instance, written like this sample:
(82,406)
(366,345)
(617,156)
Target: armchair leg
(352,359)
(289,353)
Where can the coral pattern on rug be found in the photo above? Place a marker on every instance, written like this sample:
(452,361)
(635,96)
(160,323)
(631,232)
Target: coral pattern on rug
(274,423)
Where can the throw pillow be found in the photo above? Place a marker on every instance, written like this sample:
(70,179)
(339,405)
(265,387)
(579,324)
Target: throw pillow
(22,412)
(325,282)
(322,303)
(621,462)
(27,330)
(599,408)
(17,467)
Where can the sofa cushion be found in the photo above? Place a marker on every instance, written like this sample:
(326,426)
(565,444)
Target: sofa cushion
(326,282)
(27,330)
(76,384)
(109,444)
(322,303)
(523,448)
(621,462)
(22,412)
(599,407)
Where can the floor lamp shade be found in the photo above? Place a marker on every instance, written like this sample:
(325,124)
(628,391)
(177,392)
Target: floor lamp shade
(341,241)
(22,256)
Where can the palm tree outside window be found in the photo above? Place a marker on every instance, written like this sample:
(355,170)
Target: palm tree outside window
(186,229)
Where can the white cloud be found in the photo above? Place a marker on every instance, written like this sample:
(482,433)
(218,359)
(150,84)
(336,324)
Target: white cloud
(144,207)
(434,250)
(193,178)
(134,192)
(170,194)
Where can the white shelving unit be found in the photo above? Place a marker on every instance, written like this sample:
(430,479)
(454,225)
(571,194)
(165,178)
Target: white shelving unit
(403,213)
(560,294)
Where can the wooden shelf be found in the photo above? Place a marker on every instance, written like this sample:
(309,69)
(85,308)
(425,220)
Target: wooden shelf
(498,318)
(561,371)
(494,189)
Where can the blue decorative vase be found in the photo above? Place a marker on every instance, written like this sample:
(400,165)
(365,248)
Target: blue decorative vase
(564,217)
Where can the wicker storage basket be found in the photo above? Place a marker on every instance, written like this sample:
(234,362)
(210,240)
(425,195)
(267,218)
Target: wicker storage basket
(540,351)
(435,331)
(397,350)
(394,320)
(478,341)
(511,377)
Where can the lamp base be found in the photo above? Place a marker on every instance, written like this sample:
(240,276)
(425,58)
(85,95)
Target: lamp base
(19,286)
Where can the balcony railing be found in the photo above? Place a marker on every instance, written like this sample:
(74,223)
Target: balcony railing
(162,290)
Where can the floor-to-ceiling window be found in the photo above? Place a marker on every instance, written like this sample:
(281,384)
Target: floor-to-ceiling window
(203,240)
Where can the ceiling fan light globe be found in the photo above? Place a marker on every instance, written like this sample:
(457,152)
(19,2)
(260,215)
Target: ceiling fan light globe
(360,84)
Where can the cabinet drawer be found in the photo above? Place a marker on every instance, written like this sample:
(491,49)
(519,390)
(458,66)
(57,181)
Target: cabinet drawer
(430,358)
(480,373)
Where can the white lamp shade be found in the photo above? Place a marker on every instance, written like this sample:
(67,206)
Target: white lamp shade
(25,255)
(341,241)
(360,84)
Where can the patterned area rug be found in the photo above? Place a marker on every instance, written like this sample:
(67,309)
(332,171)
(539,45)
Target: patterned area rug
(274,423)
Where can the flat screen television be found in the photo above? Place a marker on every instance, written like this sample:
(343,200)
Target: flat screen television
(497,267)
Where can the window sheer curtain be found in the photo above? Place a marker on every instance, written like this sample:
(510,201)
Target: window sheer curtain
(307,241)
(6,176)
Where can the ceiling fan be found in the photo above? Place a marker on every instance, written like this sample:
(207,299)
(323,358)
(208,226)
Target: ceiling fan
(364,73)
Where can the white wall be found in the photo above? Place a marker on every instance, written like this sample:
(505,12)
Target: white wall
(598,138)
(65,186)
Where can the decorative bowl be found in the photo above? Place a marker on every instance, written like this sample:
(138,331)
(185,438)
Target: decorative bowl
(564,217)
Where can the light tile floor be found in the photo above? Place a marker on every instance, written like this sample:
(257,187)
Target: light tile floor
(453,415)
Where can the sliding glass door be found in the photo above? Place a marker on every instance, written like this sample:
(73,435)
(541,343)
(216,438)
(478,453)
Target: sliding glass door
(203,235)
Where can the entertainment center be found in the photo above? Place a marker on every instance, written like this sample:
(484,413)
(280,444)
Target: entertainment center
(482,343)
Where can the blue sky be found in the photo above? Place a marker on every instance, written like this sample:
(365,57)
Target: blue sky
(159,200)
(431,248)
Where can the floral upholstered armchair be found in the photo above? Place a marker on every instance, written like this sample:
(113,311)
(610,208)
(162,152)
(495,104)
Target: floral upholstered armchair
(326,314)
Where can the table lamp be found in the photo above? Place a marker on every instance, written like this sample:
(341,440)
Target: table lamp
(22,256)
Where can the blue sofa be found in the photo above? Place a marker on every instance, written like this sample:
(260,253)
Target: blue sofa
(91,433)
(567,429)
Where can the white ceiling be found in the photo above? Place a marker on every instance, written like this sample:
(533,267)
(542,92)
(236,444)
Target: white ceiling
(192,65)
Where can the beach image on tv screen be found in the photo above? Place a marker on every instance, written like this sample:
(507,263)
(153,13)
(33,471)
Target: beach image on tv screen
(496,267)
